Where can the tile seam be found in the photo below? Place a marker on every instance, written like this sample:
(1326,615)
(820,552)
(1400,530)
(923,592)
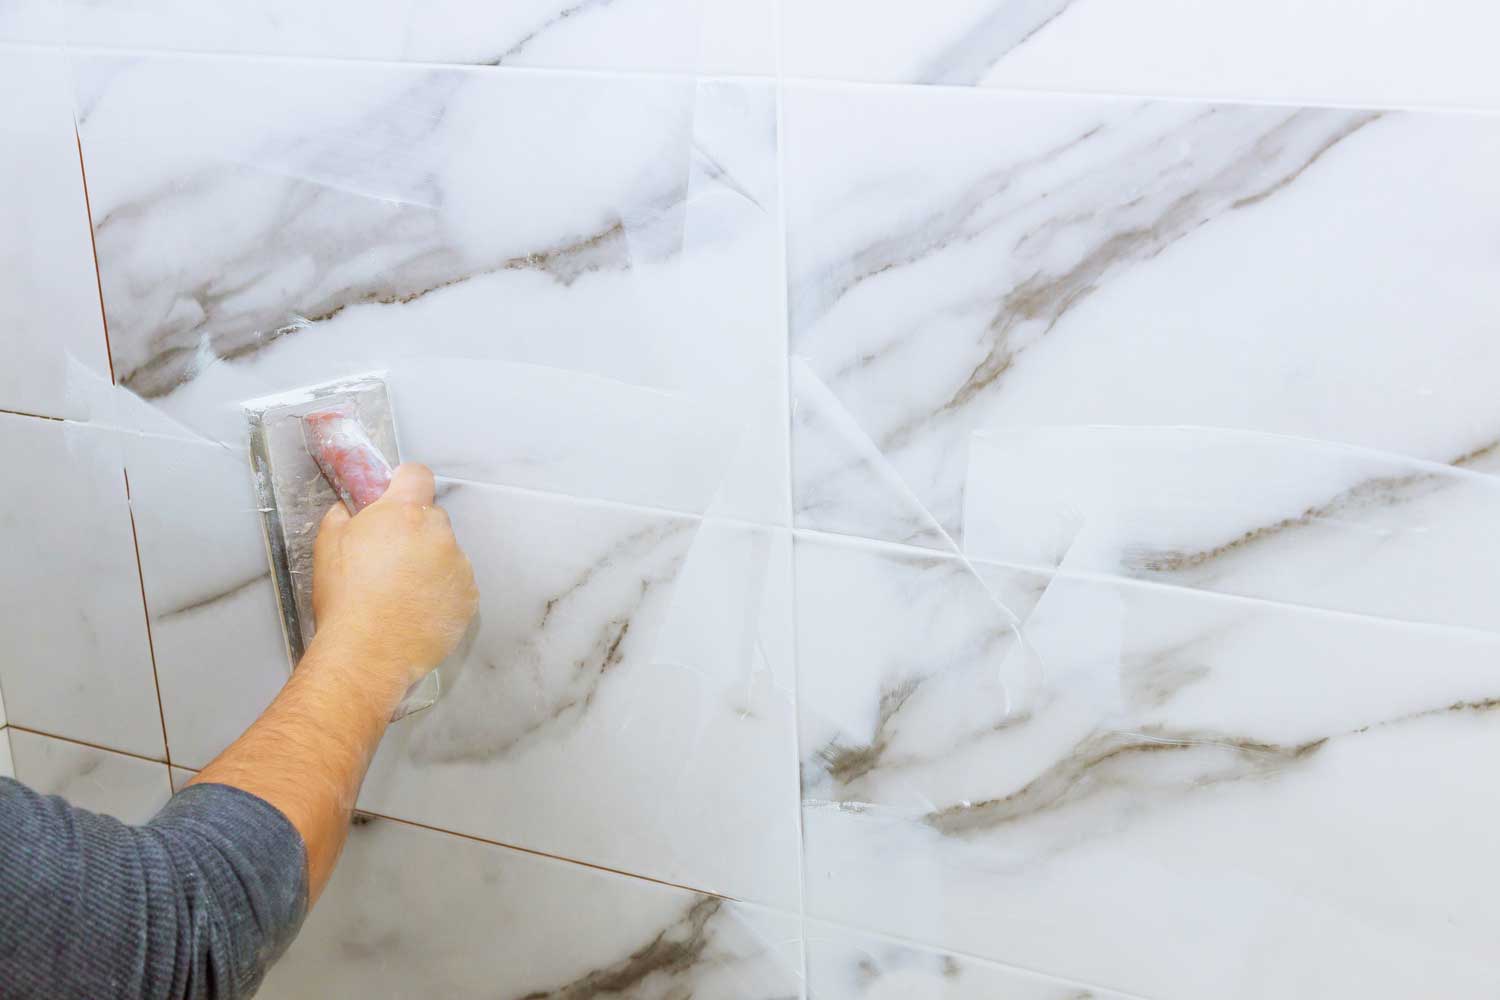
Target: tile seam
(1397,105)
(33,731)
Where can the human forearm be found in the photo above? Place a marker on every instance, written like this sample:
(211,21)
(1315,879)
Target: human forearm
(308,752)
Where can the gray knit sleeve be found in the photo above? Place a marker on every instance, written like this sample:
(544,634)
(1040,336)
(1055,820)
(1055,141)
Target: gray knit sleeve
(196,904)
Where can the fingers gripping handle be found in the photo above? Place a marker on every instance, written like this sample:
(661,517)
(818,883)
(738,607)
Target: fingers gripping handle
(346,455)
(360,474)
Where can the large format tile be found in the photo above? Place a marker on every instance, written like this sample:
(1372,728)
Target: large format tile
(678,36)
(78,659)
(626,697)
(1024,260)
(1145,787)
(7,764)
(843,964)
(127,788)
(570,280)
(411,912)
(49,299)
(1321,50)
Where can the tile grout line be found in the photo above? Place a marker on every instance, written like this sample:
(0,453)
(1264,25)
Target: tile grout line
(874,544)
(783,286)
(109,355)
(830,536)
(140,575)
(544,854)
(88,208)
(475,838)
(84,743)
(799,913)
(33,416)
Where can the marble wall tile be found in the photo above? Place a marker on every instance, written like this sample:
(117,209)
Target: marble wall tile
(127,788)
(844,964)
(1380,52)
(633,655)
(1147,788)
(412,912)
(49,300)
(392,222)
(679,36)
(626,699)
(1024,260)
(78,659)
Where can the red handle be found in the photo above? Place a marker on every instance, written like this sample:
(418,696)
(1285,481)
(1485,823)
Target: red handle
(347,457)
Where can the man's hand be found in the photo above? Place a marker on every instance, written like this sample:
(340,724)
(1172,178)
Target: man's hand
(392,580)
(393,595)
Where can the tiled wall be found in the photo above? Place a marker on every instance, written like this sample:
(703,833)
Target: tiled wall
(972,499)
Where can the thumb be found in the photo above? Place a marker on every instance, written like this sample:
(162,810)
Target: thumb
(411,483)
(326,544)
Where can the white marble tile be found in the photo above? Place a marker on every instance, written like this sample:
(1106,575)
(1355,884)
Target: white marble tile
(1018,260)
(1378,52)
(631,662)
(676,36)
(1251,514)
(627,698)
(536,313)
(78,660)
(127,788)
(1151,789)
(412,912)
(844,964)
(49,298)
